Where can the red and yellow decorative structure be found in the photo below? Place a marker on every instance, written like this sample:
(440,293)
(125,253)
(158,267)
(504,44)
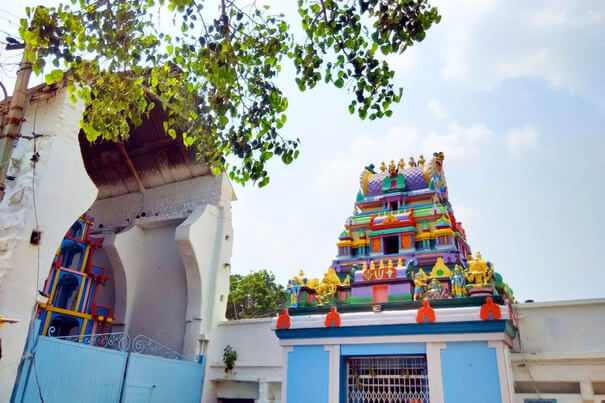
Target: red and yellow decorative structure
(402,244)
(71,287)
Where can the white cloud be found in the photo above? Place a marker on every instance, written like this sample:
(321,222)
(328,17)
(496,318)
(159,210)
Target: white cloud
(480,44)
(522,139)
(438,110)
(458,142)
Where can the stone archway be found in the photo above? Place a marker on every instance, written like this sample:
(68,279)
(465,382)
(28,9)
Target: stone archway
(145,193)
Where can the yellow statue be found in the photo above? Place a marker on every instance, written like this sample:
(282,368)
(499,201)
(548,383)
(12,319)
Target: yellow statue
(401,165)
(328,286)
(421,160)
(299,279)
(392,168)
(479,273)
(420,280)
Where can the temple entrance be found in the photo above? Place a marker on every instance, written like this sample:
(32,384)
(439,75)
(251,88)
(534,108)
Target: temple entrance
(387,379)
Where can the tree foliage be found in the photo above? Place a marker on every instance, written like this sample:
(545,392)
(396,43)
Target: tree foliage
(216,78)
(255,295)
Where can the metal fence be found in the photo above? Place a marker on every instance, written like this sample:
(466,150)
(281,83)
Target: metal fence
(121,341)
(397,379)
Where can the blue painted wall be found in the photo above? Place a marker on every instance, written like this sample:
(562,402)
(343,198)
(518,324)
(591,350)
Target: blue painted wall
(470,373)
(382,349)
(308,374)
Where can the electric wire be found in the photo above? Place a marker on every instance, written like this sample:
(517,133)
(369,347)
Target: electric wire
(525,362)
(34,162)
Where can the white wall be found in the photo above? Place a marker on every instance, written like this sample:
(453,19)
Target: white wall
(562,326)
(63,192)
(259,362)
(561,341)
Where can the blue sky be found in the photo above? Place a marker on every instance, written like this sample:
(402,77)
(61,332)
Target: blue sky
(512,93)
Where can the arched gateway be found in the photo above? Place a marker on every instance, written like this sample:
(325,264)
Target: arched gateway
(142,269)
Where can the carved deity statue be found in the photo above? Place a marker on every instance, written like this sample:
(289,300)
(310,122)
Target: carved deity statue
(420,280)
(479,272)
(458,281)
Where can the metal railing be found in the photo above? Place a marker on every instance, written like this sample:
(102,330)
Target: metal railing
(121,341)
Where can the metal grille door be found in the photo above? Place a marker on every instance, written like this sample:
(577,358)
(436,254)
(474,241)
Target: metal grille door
(387,380)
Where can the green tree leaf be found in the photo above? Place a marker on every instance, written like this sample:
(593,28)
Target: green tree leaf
(218,79)
(255,295)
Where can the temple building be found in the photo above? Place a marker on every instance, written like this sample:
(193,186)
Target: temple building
(403,303)
(120,293)
(403,243)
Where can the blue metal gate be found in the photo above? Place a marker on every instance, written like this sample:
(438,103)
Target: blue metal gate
(63,371)
(81,371)
(156,379)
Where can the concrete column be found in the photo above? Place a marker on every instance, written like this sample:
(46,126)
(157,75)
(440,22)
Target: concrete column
(504,370)
(433,362)
(204,244)
(284,372)
(587,392)
(63,191)
(204,241)
(334,375)
(123,252)
(263,393)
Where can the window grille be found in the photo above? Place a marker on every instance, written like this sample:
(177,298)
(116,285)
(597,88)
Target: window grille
(387,379)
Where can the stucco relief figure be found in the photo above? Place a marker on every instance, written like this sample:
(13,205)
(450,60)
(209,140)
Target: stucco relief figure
(458,282)
(293,291)
(479,272)
(420,281)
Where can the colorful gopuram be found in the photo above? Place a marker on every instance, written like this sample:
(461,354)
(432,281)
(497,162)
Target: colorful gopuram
(72,286)
(405,311)
(402,244)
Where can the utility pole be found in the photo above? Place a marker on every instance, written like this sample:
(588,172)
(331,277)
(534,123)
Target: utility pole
(13,120)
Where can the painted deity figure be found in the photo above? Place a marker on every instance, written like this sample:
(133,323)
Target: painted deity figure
(436,291)
(420,280)
(293,290)
(328,286)
(479,272)
(434,288)
(458,281)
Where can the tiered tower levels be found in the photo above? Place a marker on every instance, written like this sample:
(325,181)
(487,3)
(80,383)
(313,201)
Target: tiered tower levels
(71,287)
(402,243)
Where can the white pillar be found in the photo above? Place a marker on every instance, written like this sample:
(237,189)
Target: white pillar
(334,372)
(504,370)
(433,362)
(284,373)
(587,392)
(264,395)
